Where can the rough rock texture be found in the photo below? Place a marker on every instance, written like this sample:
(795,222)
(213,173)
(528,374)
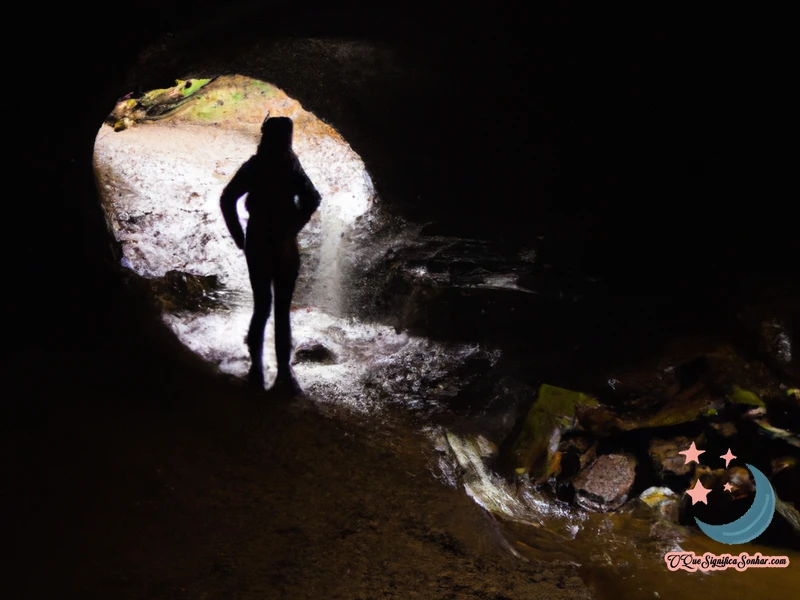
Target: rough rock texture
(315,352)
(604,485)
(663,500)
(534,450)
(665,455)
(776,338)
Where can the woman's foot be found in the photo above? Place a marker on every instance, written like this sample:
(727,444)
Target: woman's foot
(255,378)
(286,382)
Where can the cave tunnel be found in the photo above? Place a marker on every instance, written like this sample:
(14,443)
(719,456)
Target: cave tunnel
(521,217)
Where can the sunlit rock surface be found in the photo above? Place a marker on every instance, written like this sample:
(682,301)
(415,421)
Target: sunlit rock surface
(162,161)
(160,181)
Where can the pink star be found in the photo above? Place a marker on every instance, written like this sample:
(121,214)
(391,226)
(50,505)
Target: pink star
(728,457)
(698,493)
(728,487)
(692,454)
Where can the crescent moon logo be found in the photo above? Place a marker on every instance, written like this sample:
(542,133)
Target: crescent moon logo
(751,524)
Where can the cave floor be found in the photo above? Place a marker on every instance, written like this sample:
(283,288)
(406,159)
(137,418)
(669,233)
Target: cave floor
(139,474)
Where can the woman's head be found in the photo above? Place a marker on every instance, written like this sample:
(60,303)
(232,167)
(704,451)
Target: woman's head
(276,135)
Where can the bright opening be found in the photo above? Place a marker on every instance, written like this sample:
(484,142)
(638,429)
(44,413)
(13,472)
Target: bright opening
(162,161)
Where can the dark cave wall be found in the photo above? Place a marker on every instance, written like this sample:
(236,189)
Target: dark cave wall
(629,149)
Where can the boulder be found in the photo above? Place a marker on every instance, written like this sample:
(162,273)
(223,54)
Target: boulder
(605,484)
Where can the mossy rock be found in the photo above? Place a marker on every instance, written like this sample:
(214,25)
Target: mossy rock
(745,397)
(554,412)
(179,291)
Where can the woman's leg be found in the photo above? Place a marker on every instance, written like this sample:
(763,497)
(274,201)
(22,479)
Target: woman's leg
(260,271)
(286,272)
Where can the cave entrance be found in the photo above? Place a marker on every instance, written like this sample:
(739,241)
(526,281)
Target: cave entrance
(161,161)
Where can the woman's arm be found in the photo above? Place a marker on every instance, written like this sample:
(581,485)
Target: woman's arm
(236,188)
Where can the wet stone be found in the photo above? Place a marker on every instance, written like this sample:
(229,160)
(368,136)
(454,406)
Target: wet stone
(314,352)
(776,433)
(605,484)
(576,451)
(181,291)
(665,455)
(663,500)
(776,340)
(726,429)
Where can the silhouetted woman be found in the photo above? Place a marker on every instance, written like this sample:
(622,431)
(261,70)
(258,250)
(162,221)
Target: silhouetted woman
(280,200)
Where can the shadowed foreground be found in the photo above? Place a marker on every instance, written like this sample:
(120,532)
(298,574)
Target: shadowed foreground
(138,474)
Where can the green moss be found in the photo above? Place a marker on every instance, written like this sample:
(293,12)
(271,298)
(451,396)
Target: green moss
(741,396)
(190,86)
(552,414)
(264,88)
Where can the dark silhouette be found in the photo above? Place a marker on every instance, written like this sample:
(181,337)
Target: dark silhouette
(280,200)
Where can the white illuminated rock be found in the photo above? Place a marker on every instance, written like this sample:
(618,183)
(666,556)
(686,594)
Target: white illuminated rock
(160,183)
(160,180)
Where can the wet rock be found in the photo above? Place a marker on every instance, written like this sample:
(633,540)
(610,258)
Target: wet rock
(689,405)
(177,291)
(161,198)
(723,506)
(783,463)
(725,429)
(776,340)
(777,433)
(534,451)
(663,500)
(459,288)
(789,514)
(771,327)
(781,421)
(577,450)
(314,352)
(744,397)
(785,478)
(665,455)
(641,385)
(605,484)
